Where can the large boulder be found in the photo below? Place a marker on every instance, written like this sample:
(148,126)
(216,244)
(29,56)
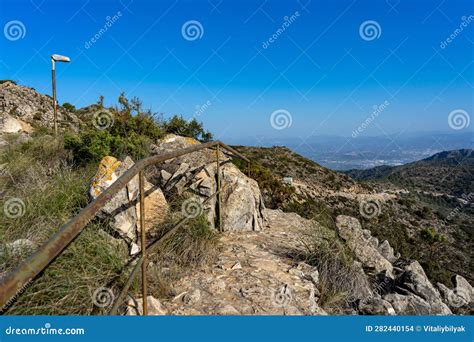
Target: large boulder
(408,305)
(242,202)
(135,307)
(9,124)
(363,245)
(461,295)
(375,306)
(124,208)
(413,280)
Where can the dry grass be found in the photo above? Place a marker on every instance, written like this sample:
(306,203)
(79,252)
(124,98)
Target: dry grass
(193,245)
(51,189)
(338,279)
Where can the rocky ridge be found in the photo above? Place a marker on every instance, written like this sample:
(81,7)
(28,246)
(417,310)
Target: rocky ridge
(21,107)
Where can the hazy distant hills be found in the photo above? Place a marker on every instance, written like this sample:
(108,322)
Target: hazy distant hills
(345,153)
(450,172)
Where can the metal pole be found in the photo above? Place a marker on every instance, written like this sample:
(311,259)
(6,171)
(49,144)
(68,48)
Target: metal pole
(143,240)
(53,76)
(129,281)
(219,207)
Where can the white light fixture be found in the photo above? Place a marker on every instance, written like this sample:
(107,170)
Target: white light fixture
(59,58)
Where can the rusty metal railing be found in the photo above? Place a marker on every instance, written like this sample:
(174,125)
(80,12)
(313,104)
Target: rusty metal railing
(14,282)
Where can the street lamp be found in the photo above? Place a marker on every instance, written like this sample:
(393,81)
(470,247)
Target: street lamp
(54,59)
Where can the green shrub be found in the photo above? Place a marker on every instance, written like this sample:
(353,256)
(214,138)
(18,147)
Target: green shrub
(127,136)
(194,129)
(430,236)
(69,107)
(67,286)
(128,131)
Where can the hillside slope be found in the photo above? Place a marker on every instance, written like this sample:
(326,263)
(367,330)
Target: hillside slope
(410,219)
(448,172)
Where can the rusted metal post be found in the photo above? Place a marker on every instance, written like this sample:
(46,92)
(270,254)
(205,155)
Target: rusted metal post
(141,185)
(55,109)
(127,285)
(219,207)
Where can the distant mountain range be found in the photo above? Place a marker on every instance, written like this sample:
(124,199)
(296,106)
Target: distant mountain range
(449,172)
(345,153)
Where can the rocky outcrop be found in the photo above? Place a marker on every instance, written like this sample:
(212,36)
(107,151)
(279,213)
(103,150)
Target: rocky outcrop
(462,294)
(9,124)
(387,251)
(413,281)
(242,203)
(21,107)
(408,290)
(154,307)
(375,306)
(362,244)
(124,208)
(408,304)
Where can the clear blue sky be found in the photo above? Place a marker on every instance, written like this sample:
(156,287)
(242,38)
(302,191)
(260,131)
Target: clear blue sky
(319,69)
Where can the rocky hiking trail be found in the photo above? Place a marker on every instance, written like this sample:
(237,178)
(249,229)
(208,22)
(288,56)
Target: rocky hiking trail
(254,275)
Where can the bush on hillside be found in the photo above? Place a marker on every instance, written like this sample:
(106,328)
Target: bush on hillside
(128,135)
(126,130)
(69,107)
(193,128)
